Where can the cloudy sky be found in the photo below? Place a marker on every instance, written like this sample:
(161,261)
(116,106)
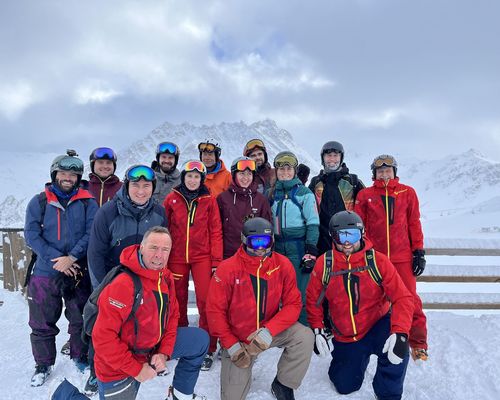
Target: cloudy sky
(408,77)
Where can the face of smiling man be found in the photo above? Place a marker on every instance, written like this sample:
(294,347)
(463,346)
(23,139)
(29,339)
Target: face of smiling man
(155,250)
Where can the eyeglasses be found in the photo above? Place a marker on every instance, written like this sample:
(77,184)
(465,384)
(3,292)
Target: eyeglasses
(347,235)
(257,242)
(68,163)
(138,172)
(252,144)
(167,147)
(284,160)
(384,160)
(207,147)
(104,153)
(195,166)
(245,164)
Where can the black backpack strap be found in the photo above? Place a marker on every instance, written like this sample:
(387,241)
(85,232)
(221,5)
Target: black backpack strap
(373,270)
(327,273)
(137,302)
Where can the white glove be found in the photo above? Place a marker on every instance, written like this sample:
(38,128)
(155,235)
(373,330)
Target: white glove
(396,346)
(323,346)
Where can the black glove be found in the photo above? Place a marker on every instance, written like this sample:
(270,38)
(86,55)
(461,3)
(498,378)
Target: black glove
(418,262)
(396,346)
(307,263)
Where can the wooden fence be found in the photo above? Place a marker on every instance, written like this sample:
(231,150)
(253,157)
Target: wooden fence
(16,258)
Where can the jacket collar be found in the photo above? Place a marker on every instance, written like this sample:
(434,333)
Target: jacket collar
(130,259)
(379,183)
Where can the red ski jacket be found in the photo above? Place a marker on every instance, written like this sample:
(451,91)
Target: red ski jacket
(392,218)
(356,301)
(247,293)
(195,227)
(113,334)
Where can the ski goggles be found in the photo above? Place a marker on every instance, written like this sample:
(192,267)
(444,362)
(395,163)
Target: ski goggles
(286,160)
(344,236)
(384,161)
(257,242)
(195,166)
(138,172)
(167,147)
(207,147)
(102,153)
(72,164)
(245,164)
(253,144)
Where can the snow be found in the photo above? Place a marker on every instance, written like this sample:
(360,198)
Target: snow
(463,363)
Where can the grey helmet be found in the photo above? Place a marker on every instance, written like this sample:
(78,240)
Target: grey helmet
(330,146)
(68,162)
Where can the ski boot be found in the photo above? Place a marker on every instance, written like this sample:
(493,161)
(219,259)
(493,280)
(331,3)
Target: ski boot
(176,395)
(208,361)
(280,391)
(41,374)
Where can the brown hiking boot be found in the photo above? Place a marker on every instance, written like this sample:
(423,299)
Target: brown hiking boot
(419,354)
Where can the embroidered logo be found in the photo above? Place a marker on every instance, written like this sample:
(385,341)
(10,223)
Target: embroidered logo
(273,270)
(400,191)
(116,303)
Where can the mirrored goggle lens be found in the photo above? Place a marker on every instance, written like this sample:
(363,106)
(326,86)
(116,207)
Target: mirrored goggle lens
(195,166)
(328,151)
(167,147)
(252,144)
(208,147)
(245,164)
(259,241)
(387,161)
(71,164)
(104,153)
(286,160)
(347,235)
(140,172)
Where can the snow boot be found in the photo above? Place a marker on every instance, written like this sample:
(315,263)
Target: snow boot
(65,350)
(280,391)
(41,374)
(207,363)
(91,386)
(174,394)
(81,363)
(419,354)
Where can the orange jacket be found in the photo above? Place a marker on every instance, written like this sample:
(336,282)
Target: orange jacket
(219,180)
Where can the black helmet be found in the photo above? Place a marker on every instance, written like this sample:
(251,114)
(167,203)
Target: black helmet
(168,148)
(384,160)
(194,165)
(336,147)
(286,158)
(241,164)
(137,172)
(256,227)
(345,220)
(210,146)
(102,153)
(69,162)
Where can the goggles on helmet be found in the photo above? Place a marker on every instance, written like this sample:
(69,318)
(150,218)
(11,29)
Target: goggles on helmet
(384,161)
(72,164)
(195,166)
(344,236)
(257,242)
(103,153)
(245,164)
(286,160)
(167,147)
(140,172)
(253,144)
(207,147)
(328,151)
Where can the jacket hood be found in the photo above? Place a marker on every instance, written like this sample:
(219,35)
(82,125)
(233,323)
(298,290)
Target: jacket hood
(130,259)
(379,183)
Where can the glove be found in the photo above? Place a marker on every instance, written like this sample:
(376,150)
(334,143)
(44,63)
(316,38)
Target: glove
(259,341)
(307,264)
(418,262)
(239,355)
(322,344)
(396,346)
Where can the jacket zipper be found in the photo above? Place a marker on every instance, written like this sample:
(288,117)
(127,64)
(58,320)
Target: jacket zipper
(387,222)
(161,305)
(351,300)
(258,292)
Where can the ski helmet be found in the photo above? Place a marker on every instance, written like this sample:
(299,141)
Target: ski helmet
(137,172)
(345,221)
(384,160)
(194,165)
(168,148)
(70,163)
(255,144)
(102,153)
(335,147)
(210,146)
(286,158)
(257,233)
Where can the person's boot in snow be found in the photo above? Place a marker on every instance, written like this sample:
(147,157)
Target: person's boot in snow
(81,363)
(65,350)
(280,391)
(207,363)
(174,394)
(41,374)
(91,386)
(419,354)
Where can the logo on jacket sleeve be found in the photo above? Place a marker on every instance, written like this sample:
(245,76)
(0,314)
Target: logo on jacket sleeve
(116,303)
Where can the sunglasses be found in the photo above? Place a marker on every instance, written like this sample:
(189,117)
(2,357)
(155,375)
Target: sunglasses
(195,166)
(167,147)
(252,144)
(140,172)
(257,242)
(385,160)
(245,164)
(207,147)
(104,153)
(71,164)
(347,236)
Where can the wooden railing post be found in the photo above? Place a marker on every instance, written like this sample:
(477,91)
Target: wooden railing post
(16,256)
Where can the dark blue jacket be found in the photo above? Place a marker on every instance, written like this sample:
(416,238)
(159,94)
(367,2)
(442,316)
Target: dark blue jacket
(119,224)
(64,230)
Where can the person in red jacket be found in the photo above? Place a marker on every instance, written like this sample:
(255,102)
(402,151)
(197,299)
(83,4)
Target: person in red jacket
(370,311)
(218,177)
(254,304)
(194,221)
(103,183)
(391,215)
(240,202)
(124,359)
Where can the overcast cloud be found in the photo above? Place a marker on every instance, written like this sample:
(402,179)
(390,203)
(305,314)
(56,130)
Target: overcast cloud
(409,77)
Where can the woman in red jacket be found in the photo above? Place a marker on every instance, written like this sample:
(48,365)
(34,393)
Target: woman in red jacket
(194,222)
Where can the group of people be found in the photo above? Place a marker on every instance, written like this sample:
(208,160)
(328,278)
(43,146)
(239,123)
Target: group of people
(328,268)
